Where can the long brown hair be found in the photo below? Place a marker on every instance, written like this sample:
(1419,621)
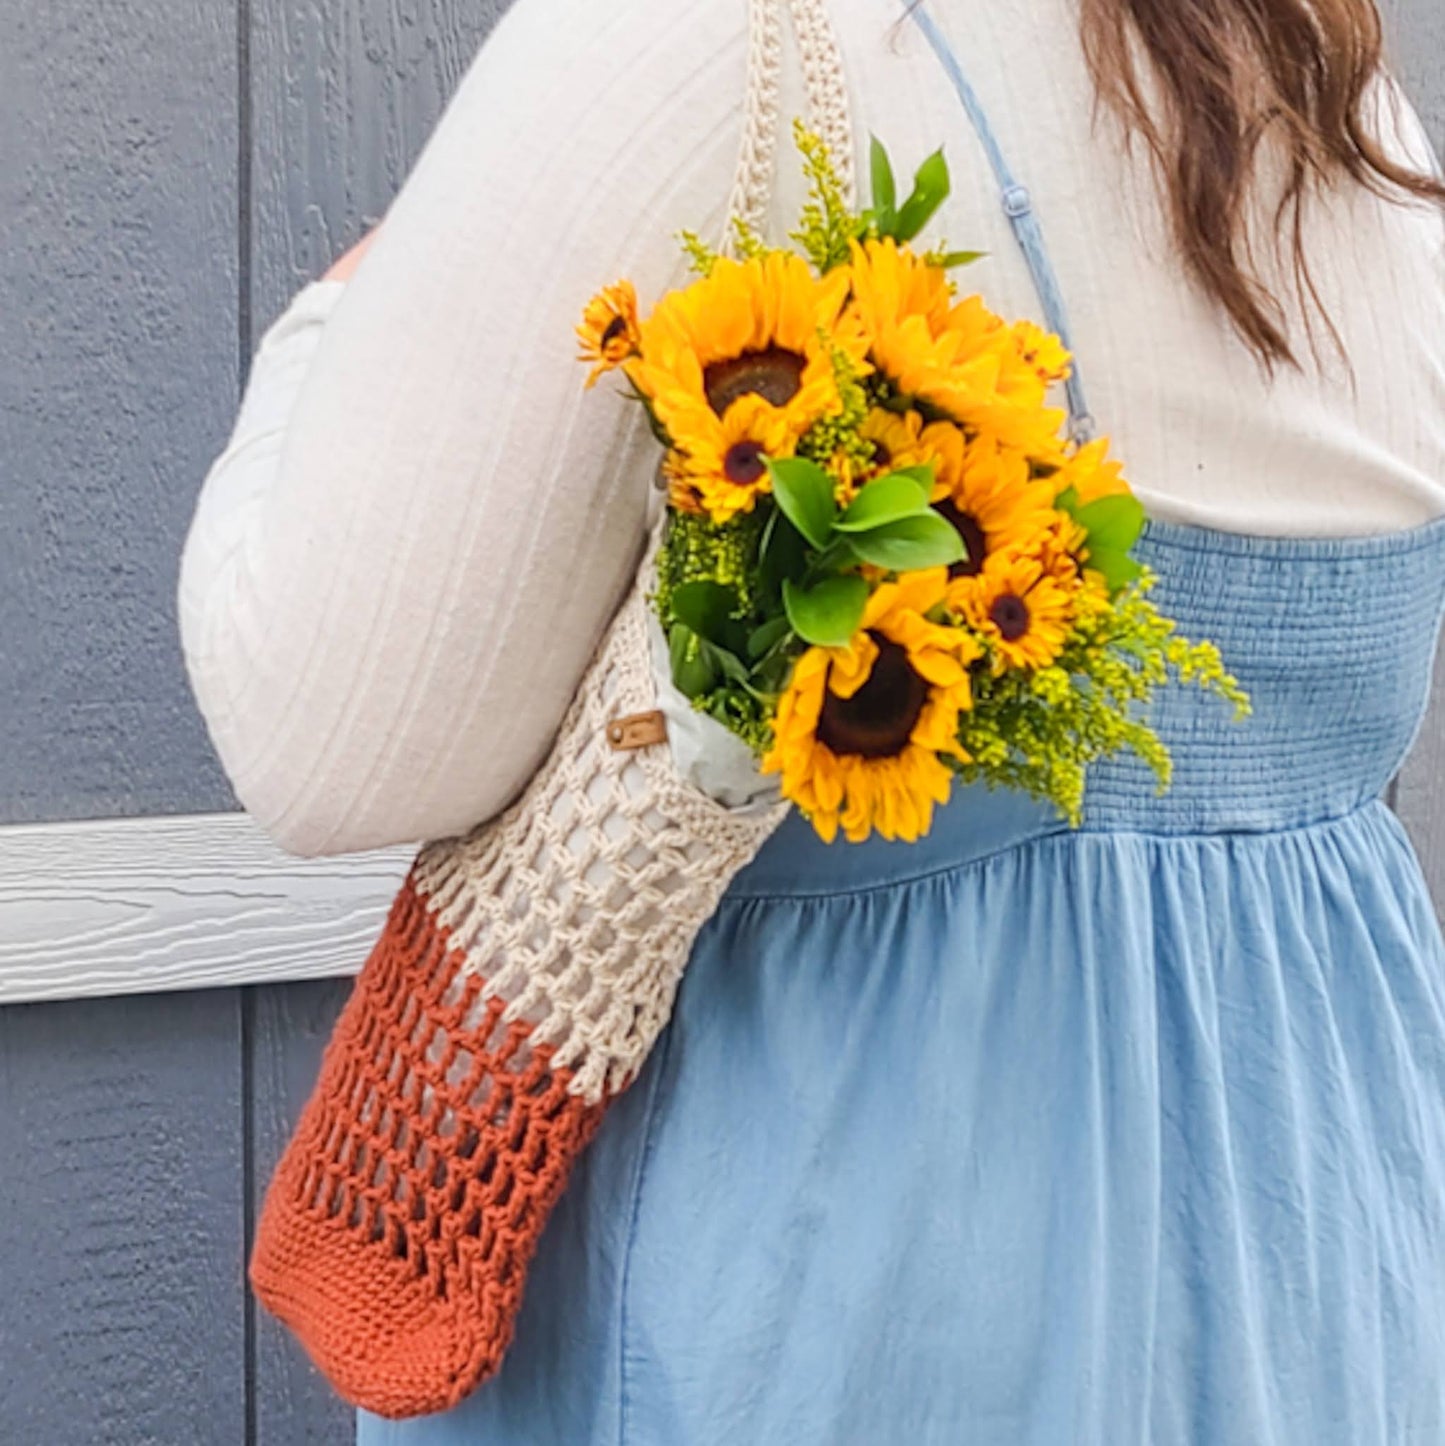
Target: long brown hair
(1229,73)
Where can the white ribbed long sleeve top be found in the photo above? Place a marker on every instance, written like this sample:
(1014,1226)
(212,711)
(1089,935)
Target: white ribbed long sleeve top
(400,565)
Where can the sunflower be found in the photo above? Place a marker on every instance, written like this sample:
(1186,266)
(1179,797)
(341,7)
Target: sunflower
(959,357)
(1043,351)
(608,333)
(985,490)
(1061,548)
(905,307)
(765,328)
(892,440)
(725,468)
(682,493)
(861,729)
(1022,610)
(1091,471)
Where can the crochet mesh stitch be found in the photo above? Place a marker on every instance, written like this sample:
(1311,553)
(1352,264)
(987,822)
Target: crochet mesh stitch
(523,973)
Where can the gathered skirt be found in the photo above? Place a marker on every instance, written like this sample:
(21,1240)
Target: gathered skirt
(1026,1135)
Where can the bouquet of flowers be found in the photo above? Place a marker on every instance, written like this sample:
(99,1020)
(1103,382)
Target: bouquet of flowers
(885,565)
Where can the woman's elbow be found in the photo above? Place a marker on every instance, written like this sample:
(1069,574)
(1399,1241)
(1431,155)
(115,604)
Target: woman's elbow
(322,824)
(335,812)
(320,779)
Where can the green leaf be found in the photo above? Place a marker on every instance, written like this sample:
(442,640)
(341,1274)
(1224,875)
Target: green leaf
(783,553)
(922,474)
(1113,522)
(1118,568)
(927,540)
(805,495)
(726,661)
(762,638)
(705,606)
(930,188)
(692,670)
(828,613)
(1068,500)
(839,553)
(885,196)
(885,500)
(771,675)
(960,258)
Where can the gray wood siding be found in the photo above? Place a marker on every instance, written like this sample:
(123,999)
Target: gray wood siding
(286,1027)
(122,1208)
(169,175)
(1417,35)
(118,370)
(1415,38)
(122,1221)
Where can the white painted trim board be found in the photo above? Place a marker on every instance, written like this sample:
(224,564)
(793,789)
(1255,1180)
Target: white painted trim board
(137,905)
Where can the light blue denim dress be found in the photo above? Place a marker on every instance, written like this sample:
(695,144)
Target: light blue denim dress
(1024,1136)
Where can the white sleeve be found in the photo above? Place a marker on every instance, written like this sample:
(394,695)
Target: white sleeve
(400,566)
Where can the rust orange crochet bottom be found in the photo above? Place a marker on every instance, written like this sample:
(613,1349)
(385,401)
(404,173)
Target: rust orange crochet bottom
(397,1230)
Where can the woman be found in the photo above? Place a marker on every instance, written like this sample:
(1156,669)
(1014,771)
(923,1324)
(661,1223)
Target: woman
(1016,1135)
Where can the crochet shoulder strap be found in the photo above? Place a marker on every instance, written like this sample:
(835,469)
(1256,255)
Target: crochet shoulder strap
(826,88)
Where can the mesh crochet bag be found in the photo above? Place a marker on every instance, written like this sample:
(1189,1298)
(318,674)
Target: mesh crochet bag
(522,975)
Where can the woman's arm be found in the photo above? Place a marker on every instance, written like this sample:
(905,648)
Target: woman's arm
(384,632)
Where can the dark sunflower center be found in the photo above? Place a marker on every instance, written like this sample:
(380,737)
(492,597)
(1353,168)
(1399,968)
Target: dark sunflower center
(974,542)
(878,720)
(881,455)
(1010,615)
(775,375)
(743,463)
(615,328)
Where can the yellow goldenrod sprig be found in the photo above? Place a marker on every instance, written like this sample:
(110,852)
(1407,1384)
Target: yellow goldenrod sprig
(825,224)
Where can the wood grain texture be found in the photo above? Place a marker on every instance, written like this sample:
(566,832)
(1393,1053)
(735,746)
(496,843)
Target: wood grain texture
(1416,32)
(1416,47)
(118,254)
(343,97)
(129,906)
(121,1215)
(288,1029)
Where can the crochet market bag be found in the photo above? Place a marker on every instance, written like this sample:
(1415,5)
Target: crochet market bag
(522,975)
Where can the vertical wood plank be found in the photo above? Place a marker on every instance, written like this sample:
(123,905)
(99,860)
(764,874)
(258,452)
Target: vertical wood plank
(288,1026)
(122,1205)
(1415,31)
(118,366)
(342,97)
(121,1217)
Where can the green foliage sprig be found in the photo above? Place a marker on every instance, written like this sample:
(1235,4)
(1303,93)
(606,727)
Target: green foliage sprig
(826,226)
(1041,730)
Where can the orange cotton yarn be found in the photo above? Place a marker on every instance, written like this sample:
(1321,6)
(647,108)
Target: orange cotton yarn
(398,1227)
(522,977)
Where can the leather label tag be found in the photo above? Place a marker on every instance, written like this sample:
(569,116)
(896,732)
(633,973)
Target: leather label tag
(638,730)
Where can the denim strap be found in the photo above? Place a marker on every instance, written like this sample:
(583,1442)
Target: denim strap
(1018,205)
